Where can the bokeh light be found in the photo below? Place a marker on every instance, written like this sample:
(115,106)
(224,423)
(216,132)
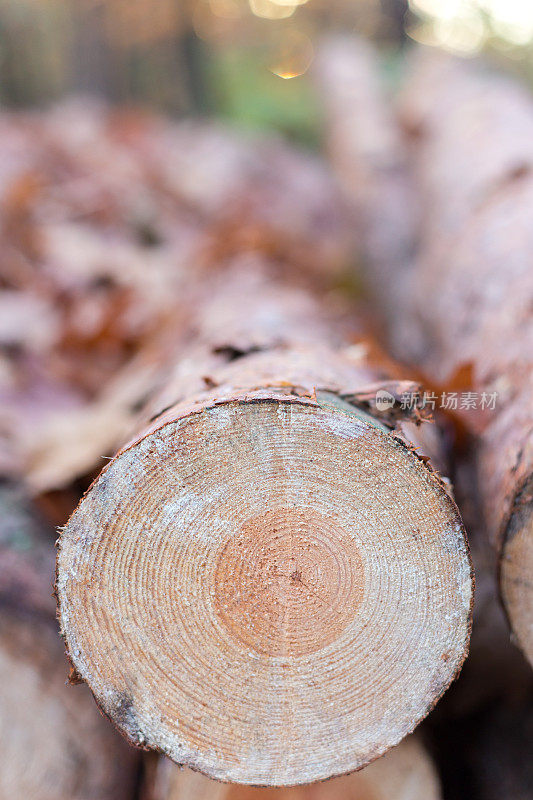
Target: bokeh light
(268,9)
(466,26)
(293,55)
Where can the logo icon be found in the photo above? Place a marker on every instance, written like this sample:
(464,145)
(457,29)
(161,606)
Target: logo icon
(384,400)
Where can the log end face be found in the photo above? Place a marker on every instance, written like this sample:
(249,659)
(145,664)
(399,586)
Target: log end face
(516,573)
(270,592)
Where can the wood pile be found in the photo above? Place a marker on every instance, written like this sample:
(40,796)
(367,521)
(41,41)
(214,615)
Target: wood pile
(262,573)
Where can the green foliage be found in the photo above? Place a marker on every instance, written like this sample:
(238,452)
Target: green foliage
(248,94)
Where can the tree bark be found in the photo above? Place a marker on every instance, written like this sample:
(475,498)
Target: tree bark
(475,262)
(55,745)
(107,217)
(463,310)
(405,773)
(268,583)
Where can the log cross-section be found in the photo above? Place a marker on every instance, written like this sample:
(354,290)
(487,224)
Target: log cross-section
(267,584)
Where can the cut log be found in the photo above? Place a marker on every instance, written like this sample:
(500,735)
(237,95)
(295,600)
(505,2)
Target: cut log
(268,583)
(106,218)
(463,311)
(370,158)
(405,773)
(55,744)
(496,670)
(477,266)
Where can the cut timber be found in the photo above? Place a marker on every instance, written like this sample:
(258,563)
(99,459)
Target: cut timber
(268,584)
(463,311)
(55,744)
(474,161)
(506,475)
(106,218)
(370,158)
(405,773)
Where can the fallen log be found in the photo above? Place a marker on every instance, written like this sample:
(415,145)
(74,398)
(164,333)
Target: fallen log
(463,310)
(55,744)
(268,583)
(405,773)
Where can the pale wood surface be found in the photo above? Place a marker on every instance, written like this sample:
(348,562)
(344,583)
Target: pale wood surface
(405,773)
(266,585)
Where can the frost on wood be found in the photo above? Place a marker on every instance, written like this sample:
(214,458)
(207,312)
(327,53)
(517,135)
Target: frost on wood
(267,587)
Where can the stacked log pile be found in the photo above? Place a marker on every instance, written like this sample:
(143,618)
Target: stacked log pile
(269,582)
(162,282)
